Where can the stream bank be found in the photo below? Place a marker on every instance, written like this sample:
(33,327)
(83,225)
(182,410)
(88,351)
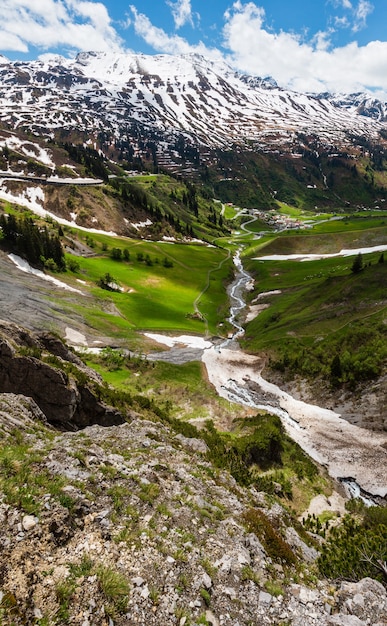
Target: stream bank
(353,455)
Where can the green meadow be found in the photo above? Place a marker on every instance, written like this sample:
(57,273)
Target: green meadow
(181,288)
(317,299)
(300,214)
(159,285)
(324,238)
(256,227)
(181,390)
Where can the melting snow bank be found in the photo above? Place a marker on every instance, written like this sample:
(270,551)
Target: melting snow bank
(24,266)
(75,337)
(314,257)
(184,340)
(183,349)
(346,450)
(148,222)
(355,491)
(352,455)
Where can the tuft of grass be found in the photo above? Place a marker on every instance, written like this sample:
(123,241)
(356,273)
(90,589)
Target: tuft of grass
(206,596)
(118,494)
(115,589)
(149,492)
(249,574)
(154,595)
(208,567)
(274,588)
(83,568)
(64,590)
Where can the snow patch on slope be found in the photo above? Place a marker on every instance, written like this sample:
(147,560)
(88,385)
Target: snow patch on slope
(24,266)
(30,197)
(315,257)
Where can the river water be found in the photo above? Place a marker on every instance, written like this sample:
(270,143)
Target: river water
(352,455)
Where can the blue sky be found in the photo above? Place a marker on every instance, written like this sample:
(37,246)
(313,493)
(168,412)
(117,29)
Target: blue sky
(317,45)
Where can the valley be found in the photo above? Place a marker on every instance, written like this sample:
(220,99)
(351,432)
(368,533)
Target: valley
(128,317)
(192,347)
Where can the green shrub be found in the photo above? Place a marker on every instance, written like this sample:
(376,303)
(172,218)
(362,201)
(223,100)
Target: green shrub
(255,521)
(357,548)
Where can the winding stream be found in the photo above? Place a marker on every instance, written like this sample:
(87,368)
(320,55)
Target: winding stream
(238,304)
(352,455)
(355,456)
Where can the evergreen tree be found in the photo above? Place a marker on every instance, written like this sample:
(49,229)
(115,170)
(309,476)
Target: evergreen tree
(357,264)
(336,369)
(116,254)
(36,245)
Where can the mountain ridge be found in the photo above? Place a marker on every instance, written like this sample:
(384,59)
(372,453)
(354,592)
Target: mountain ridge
(206,101)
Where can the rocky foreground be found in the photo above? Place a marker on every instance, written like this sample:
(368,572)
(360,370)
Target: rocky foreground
(130,524)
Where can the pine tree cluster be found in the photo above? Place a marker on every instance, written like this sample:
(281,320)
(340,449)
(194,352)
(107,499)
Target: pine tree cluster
(32,242)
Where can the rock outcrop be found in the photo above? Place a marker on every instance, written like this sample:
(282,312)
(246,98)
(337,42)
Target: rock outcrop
(61,385)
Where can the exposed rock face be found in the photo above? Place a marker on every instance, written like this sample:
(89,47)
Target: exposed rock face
(66,403)
(366,600)
(18,412)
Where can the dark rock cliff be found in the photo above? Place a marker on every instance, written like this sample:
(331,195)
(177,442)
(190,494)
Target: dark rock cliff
(67,403)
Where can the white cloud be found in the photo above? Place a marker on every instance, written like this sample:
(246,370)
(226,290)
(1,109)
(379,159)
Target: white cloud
(362,11)
(169,44)
(357,14)
(341,22)
(304,65)
(256,50)
(10,41)
(321,40)
(248,44)
(298,64)
(182,12)
(346,4)
(157,37)
(81,25)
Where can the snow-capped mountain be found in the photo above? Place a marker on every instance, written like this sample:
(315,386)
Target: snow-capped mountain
(359,104)
(206,101)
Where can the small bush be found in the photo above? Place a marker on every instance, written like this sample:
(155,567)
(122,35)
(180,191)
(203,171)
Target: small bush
(276,547)
(357,548)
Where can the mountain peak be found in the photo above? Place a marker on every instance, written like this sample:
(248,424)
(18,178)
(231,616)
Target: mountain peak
(203,99)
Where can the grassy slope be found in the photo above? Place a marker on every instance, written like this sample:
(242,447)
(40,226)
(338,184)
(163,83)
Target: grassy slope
(324,238)
(157,297)
(318,298)
(309,182)
(160,298)
(323,308)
